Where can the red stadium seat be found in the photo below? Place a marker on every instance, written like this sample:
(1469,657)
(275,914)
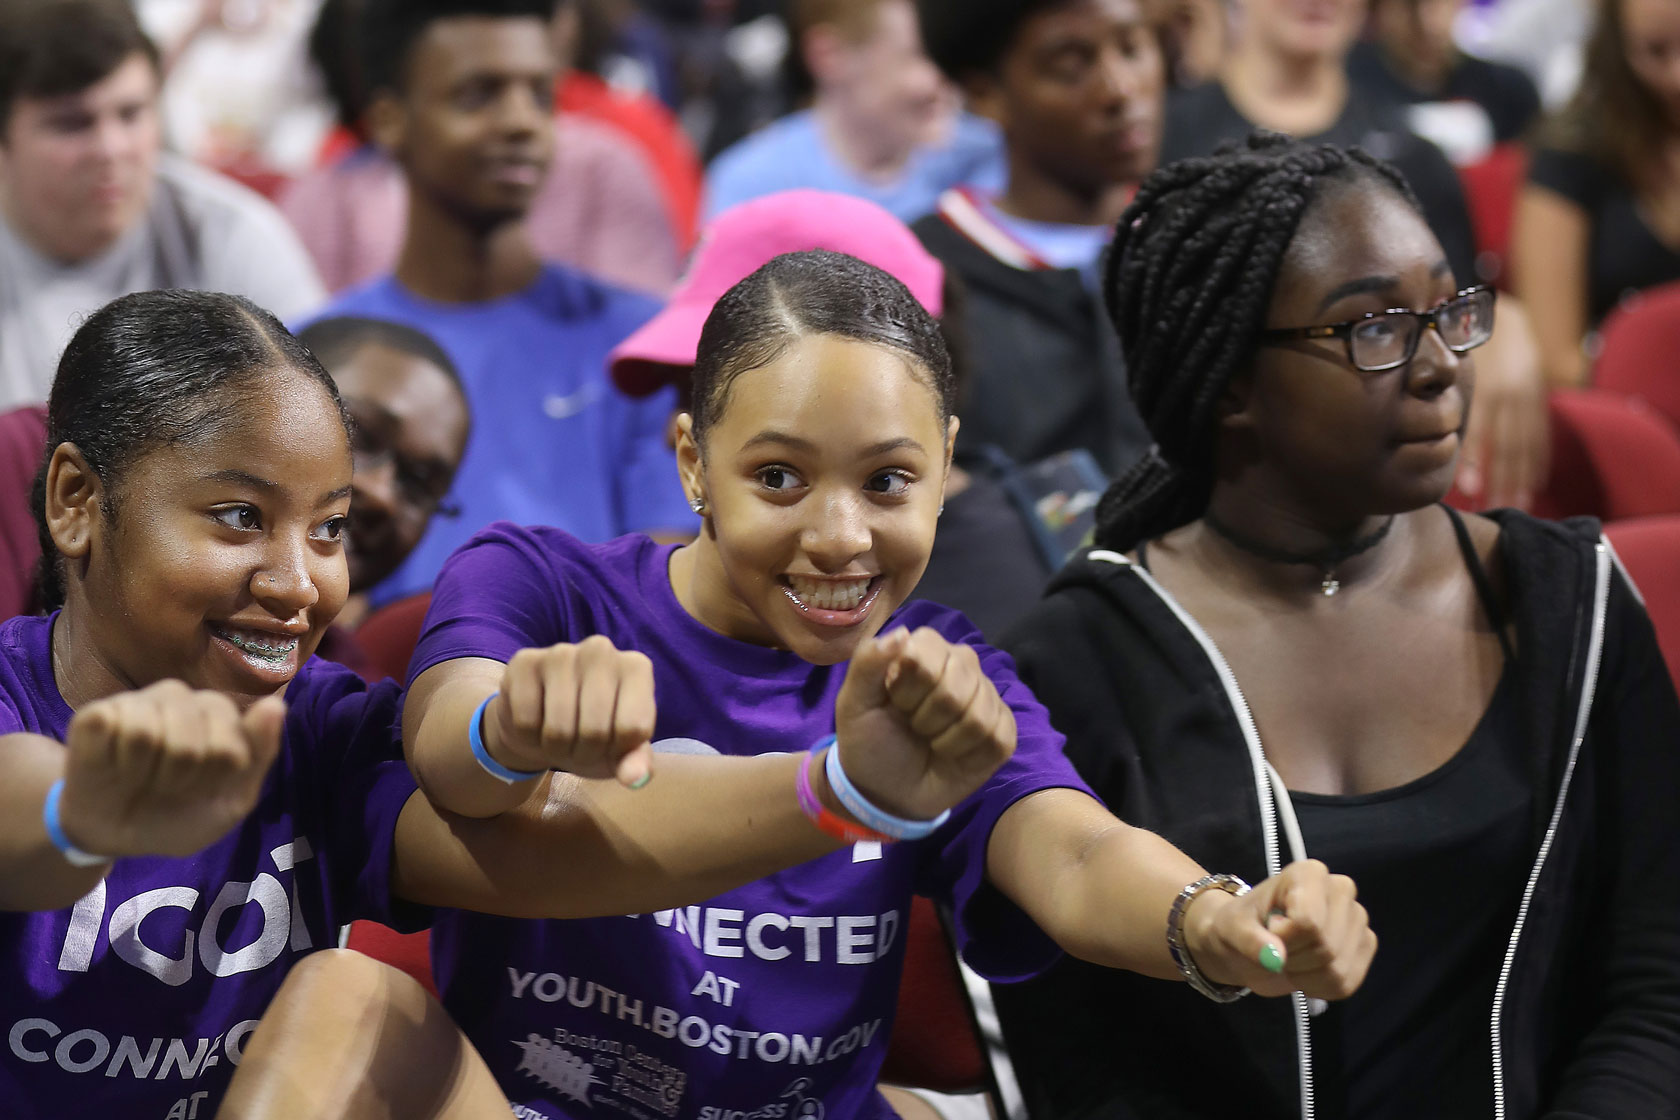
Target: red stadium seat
(1640,350)
(1612,457)
(1650,548)
(258,176)
(934,1043)
(1491,186)
(23,440)
(388,635)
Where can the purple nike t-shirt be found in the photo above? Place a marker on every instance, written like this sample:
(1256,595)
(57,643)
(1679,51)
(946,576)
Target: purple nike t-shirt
(771,1001)
(138,1000)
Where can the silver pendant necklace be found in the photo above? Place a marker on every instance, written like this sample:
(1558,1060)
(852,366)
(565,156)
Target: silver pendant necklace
(1326,560)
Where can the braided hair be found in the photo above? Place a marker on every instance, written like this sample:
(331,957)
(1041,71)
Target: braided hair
(1187,283)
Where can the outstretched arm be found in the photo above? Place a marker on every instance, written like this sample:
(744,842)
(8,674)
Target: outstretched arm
(915,739)
(1102,889)
(162,771)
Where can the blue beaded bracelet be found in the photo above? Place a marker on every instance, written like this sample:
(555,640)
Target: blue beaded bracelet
(55,832)
(475,736)
(866,812)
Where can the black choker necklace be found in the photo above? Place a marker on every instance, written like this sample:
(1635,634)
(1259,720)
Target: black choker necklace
(1326,560)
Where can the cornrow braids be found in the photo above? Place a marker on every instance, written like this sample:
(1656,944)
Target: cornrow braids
(1187,283)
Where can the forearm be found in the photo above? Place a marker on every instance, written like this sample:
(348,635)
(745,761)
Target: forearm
(33,874)
(1112,907)
(591,848)
(437,717)
(1549,264)
(1101,889)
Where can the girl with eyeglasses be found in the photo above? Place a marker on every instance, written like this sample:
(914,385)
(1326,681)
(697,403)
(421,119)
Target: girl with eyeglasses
(1284,646)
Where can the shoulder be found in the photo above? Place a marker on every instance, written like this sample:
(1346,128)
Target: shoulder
(771,153)
(1545,556)
(334,718)
(950,623)
(514,587)
(1422,161)
(27,688)
(1577,175)
(321,684)
(215,202)
(795,131)
(1198,119)
(503,548)
(1200,98)
(1503,77)
(973,137)
(380,297)
(1099,616)
(942,236)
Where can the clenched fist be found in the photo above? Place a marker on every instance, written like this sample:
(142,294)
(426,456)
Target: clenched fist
(919,723)
(1304,921)
(585,709)
(164,770)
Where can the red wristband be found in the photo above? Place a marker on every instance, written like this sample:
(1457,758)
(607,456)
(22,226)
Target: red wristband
(830,823)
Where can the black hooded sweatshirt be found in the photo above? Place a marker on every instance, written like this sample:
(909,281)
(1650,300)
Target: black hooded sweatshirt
(1585,1020)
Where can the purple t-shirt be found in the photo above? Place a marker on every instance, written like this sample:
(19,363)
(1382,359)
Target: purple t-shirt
(138,1001)
(774,1000)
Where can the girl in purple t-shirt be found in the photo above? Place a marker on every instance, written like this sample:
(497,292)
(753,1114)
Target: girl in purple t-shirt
(192,511)
(816,453)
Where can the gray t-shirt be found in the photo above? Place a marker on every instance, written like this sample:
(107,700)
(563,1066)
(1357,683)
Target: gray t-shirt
(201,231)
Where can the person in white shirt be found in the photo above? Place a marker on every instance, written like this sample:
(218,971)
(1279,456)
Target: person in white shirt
(90,206)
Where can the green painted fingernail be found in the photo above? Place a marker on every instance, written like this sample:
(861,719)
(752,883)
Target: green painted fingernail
(1270,959)
(647,776)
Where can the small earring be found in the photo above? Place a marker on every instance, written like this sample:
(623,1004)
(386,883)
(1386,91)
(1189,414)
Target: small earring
(941,512)
(698,505)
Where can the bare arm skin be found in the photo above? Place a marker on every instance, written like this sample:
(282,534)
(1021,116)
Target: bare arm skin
(1507,444)
(1102,889)
(1549,273)
(917,735)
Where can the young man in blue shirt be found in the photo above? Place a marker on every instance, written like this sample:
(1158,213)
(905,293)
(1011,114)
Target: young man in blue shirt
(462,100)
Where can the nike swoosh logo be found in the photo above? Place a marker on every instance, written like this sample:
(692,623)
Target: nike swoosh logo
(557,407)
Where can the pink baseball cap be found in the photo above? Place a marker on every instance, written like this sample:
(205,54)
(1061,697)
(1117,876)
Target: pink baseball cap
(743,238)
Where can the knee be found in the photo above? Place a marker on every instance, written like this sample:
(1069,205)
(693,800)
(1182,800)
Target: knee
(346,983)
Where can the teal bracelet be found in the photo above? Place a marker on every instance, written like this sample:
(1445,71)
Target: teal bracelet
(475,736)
(867,812)
(55,832)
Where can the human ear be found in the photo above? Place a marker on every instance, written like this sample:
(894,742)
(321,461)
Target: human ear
(689,464)
(74,501)
(387,122)
(951,427)
(1234,410)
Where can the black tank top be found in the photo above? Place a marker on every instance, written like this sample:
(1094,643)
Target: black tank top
(1440,863)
